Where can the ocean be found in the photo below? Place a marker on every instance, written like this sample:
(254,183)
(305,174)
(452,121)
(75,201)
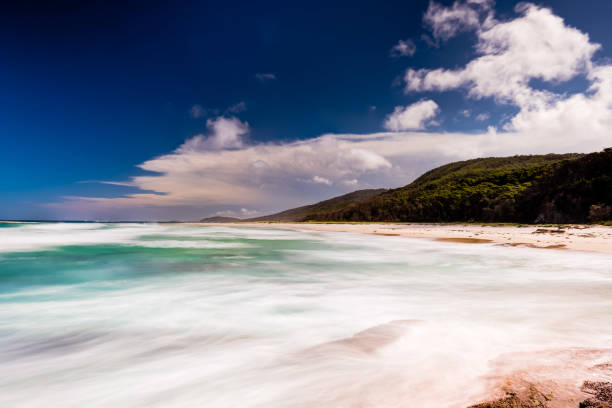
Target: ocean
(162,315)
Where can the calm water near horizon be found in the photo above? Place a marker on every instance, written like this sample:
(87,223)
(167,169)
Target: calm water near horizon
(153,315)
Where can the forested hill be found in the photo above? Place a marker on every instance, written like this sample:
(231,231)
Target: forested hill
(332,205)
(541,188)
(220,219)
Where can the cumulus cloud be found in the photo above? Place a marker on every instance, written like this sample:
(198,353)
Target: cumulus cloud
(412,117)
(224,133)
(223,168)
(404,48)
(537,45)
(585,115)
(263,77)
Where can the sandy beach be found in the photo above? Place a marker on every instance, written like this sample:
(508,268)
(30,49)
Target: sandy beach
(592,238)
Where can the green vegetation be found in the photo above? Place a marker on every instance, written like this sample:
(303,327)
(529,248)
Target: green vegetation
(552,189)
(332,205)
(220,219)
(485,190)
(575,191)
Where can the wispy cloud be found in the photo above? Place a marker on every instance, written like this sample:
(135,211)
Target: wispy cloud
(404,48)
(321,180)
(263,77)
(197,111)
(240,213)
(237,108)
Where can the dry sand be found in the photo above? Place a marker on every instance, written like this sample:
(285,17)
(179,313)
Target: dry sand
(574,237)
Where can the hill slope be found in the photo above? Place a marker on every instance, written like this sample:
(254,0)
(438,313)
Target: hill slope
(221,219)
(331,205)
(546,188)
(552,188)
(576,191)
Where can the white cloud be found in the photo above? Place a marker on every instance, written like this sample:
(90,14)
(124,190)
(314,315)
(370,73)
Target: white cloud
(446,22)
(412,117)
(225,133)
(263,77)
(404,48)
(267,177)
(537,45)
(585,115)
(223,169)
(321,180)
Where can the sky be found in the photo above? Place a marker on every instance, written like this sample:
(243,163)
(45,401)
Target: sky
(182,110)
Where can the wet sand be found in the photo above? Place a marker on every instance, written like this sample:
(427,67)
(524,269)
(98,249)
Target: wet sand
(592,238)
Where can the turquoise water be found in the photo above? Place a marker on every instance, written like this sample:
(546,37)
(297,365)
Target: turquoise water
(141,315)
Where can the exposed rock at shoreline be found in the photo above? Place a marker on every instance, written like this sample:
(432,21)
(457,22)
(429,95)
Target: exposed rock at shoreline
(601,392)
(532,398)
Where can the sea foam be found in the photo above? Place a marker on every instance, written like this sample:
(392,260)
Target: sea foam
(160,316)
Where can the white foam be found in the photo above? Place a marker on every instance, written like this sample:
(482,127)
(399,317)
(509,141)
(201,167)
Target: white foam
(188,244)
(48,236)
(225,339)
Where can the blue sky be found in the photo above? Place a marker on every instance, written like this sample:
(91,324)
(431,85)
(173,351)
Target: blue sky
(181,110)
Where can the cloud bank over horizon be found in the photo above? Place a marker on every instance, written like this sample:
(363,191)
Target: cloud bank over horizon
(224,172)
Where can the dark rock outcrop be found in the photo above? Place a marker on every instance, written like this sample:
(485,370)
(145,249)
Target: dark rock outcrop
(532,399)
(601,392)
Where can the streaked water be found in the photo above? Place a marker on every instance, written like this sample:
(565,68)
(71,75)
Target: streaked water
(146,315)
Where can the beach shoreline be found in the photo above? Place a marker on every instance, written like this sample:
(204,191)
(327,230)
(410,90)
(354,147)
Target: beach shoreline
(351,318)
(517,380)
(575,237)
